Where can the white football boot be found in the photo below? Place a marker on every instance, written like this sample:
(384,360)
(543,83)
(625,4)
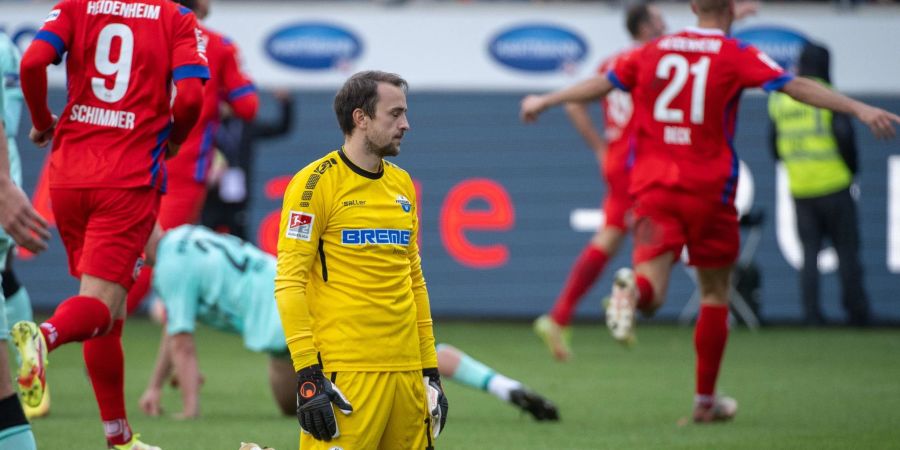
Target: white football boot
(620,307)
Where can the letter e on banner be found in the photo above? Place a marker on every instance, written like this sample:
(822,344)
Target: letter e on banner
(456,219)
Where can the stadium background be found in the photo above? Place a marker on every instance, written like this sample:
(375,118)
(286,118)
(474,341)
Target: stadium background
(497,197)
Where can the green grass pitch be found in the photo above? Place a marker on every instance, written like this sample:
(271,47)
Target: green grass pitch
(797,388)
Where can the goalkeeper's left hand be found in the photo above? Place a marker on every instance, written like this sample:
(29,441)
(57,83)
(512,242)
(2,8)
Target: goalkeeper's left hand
(437,401)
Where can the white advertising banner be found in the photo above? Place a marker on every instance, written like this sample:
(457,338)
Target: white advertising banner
(503,47)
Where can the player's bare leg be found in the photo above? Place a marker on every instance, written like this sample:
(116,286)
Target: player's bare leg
(710,336)
(641,289)
(553,328)
(283,380)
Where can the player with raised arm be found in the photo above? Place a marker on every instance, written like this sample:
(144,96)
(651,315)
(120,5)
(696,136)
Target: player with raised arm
(644,22)
(107,171)
(615,149)
(188,173)
(686,87)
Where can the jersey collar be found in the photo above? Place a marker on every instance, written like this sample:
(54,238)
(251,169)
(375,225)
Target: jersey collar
(705,31)
(359,170)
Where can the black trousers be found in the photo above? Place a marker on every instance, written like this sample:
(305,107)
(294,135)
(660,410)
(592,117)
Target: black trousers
(834,217)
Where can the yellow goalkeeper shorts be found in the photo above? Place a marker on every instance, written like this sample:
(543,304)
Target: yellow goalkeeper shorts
(389,412)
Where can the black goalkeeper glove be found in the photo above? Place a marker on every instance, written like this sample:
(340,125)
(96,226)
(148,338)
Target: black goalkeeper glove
(315,394)
(437,401)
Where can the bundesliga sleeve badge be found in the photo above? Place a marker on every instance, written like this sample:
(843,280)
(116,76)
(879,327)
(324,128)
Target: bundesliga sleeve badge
(300,226)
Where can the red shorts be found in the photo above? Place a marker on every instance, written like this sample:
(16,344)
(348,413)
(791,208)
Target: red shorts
(182,204)
(105,230)
(667,220)
(618,202)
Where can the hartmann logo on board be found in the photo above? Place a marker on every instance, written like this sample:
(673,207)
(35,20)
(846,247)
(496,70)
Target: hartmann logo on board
(538,48)
(314,46)
(780,43)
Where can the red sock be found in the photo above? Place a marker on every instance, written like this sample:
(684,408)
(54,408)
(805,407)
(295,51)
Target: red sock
(105,363)
(76,319)
(140,289)
(584,273)
(710,336)
(645,292)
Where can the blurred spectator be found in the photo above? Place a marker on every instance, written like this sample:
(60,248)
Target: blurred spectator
(818,150)
(228,202)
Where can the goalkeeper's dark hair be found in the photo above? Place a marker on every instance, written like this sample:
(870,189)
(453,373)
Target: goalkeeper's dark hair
(189,4)
(361,92)
(635,16)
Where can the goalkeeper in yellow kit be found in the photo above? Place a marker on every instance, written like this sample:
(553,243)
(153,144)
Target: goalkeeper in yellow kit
(350,289)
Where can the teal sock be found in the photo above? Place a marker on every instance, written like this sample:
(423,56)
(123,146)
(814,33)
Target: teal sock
(18,307)
(473,373)
(15,432)
(17,438)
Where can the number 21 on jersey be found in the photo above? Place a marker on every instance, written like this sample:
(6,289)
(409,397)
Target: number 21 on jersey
(675,68)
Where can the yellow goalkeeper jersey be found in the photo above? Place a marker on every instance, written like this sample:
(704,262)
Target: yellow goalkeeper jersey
(349,283)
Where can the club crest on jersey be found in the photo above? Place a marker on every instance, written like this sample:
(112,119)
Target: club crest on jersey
(404,203)
(300,226)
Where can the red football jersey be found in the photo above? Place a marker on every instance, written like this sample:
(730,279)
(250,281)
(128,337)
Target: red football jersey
(226,83)
(122,59)
(686,87)
(618,125)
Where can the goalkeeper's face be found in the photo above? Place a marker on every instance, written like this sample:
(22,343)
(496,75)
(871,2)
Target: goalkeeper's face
(385,131)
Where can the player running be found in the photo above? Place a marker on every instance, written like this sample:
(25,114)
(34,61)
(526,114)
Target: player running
(224,282)
(188,173)
(107,171)
(644,23)
(615,150)
(686,88)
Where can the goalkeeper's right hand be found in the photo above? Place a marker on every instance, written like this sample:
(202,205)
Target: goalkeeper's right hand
(315,395)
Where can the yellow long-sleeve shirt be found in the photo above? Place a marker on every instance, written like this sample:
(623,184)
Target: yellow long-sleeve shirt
(349,285)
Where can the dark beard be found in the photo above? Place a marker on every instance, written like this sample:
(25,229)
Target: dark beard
(383,151)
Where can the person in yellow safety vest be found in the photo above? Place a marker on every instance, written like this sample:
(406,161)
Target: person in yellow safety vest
(818,150)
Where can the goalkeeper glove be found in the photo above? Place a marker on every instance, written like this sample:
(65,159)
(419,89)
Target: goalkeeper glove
(315,395)
(437,401)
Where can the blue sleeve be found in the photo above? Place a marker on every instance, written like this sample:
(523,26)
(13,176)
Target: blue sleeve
(777,83)
(54,40)
(190,71)
(241,91)
(614,79)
